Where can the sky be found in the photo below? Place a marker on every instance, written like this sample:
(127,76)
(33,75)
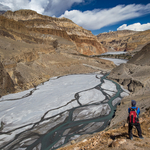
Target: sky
(97,16)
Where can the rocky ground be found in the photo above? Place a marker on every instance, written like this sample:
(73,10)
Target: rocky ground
(115,138)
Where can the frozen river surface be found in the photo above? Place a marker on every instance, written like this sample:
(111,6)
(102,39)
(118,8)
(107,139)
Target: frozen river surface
(57,111)
(116,61)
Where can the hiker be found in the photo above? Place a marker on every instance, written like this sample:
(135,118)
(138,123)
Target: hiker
(133,120)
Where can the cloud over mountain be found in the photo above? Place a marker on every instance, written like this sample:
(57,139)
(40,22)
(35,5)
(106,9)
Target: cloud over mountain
(135,27)
(58,7)
(48,7)
(91,19)
(4,8)
(99,18)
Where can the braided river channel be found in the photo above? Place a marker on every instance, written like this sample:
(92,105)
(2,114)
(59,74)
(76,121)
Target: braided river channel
(58,111)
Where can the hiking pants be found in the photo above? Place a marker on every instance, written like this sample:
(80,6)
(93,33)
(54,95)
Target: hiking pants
(138,127)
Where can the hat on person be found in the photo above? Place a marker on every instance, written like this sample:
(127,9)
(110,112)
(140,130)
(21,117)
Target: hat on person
(133,103)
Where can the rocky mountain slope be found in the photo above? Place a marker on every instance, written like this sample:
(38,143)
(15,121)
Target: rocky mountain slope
(41,27)
(134,76)
(125,40)
(34,48)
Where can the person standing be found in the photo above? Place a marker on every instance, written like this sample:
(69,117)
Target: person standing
(133,120)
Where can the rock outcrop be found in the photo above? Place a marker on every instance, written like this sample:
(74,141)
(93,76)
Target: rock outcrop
(6,83)
(125,40)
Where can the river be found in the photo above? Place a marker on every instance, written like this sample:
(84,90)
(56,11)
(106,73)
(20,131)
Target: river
(58,111)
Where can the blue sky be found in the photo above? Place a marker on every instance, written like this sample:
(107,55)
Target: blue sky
(105,4)
(96,15)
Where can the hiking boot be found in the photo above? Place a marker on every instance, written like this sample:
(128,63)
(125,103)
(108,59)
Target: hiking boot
(131,138)
(141,137)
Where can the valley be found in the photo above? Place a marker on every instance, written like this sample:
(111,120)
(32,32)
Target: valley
(60,84)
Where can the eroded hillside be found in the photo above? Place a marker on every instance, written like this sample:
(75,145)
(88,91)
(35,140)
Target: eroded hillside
(135,74)
(125,40)
(34,48)
(44,26)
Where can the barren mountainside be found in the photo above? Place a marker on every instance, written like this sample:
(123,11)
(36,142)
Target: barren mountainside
(135,73)
(34,48)
(86,43)
(125,40)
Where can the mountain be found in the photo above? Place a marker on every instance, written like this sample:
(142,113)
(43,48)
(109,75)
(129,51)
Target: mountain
(134,75)
(125,40)
(30,22)
(34,48)
(6,84)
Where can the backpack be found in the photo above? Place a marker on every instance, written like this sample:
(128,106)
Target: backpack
(133,119)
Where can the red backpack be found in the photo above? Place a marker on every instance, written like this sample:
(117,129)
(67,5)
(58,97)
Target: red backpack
(133,116)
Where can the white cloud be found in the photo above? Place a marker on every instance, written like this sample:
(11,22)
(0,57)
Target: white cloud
(135,27)
(48,7)
(58,7)
(36,5)
(4,8)
(15,4)
(99,18)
